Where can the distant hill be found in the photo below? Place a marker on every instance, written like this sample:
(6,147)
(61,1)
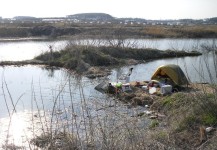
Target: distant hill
(91,16)
(103,18)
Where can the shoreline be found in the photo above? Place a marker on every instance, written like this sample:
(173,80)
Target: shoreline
(12,39)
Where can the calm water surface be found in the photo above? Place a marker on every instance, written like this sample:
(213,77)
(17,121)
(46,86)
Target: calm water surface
(23,50)
(33,90)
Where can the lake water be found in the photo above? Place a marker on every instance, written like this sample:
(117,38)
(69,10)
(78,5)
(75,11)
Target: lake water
(37,93)
(30,89)
(23,50)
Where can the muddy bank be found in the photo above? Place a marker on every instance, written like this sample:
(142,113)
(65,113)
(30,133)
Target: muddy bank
(21,63)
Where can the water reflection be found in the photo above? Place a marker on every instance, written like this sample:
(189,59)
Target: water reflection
(18,129)
(44,103)
(23,50)
(199,69)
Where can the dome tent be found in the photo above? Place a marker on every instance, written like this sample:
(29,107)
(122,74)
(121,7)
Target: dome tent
(173,72)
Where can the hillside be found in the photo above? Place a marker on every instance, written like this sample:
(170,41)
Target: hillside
(91,16)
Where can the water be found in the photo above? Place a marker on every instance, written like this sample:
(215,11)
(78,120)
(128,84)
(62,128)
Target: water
(24,50)
(194,68)
(173,44)
(33,88)
(38,93)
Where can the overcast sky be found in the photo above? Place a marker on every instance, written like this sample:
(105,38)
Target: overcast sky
(147,9)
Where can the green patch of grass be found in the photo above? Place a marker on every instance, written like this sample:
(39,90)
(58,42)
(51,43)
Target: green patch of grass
(209,119)
(174,100)
(161,136)
(210,95)
(168,101)
(154,123)
(186,123)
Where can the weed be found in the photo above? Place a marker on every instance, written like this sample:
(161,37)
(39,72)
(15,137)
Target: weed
(186,123)
(168,101)
(154,123)
(209,119)
(162,135)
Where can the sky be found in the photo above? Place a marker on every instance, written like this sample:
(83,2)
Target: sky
(146,9)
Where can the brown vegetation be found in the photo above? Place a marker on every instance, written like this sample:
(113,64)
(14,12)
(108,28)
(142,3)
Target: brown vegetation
(81,58)
(110,30)
(189,113)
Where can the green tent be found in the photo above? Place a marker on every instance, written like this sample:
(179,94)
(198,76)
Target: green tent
(173,72)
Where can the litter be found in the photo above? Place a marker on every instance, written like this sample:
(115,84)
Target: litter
(152,90)
(144,87)
(146,106)
(126,87)
(149,112)
(166,89)
(164,81)
(209,129)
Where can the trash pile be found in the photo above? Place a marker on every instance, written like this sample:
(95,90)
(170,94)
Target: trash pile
(165,80)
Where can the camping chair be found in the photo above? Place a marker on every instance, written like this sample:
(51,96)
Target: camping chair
(126,77)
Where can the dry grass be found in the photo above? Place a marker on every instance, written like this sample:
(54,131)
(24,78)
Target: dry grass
(186,112)
(108,30)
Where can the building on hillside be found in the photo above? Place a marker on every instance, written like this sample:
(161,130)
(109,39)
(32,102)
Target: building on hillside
(26,19)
